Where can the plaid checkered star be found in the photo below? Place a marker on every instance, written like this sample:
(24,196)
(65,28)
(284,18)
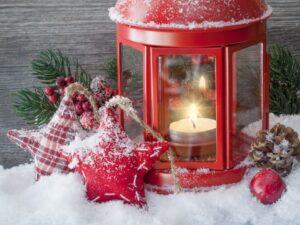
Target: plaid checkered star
(113,166)
(44,144)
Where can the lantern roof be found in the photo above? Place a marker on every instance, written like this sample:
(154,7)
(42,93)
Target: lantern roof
(189,14)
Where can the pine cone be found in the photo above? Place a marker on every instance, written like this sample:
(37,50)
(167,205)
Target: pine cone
(276,149)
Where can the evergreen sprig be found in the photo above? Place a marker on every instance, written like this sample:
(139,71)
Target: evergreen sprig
(49,65)
(33,106)
(111,70)
(285,82)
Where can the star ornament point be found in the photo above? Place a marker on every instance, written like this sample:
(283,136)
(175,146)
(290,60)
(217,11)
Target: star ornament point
(44,144)
(115,168)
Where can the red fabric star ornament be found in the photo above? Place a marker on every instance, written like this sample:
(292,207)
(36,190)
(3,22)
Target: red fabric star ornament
(112,165)
(44,144)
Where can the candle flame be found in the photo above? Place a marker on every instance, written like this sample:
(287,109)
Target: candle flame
(193,112)
(202,83)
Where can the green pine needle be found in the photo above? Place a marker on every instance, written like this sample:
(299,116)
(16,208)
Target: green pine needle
(285,82)
(49,65)
(111,68)
(33,106)
(82,76)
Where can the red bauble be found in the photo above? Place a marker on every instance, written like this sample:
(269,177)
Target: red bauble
(88,121)
(48,91)
(78,108)
(113,167)
(53,98)
(267,186)
(60,82)
(86,106)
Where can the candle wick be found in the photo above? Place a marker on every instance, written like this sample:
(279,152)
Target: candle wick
(194,125)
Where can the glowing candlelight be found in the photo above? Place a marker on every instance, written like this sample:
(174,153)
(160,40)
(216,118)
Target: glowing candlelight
(193,114)
(193,129)
(202,83)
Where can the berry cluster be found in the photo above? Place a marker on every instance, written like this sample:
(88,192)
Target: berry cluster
(61,84)
(81,103)
(101,91)
(84,111)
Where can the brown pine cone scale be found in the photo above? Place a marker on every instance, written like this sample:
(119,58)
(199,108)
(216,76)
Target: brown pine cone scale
(276,149)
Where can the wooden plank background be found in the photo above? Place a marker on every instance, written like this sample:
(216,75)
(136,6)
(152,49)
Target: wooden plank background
(82,29)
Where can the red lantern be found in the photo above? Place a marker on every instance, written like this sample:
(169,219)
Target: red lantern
(198,73)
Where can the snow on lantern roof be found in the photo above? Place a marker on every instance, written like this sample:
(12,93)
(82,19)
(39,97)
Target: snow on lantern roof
(189,14)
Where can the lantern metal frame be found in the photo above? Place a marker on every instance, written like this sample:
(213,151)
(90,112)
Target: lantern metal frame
(220,42)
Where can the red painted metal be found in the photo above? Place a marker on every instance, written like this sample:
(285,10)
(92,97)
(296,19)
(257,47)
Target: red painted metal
(191,38)
(231,89)
(162,181)
(221,42)
(181,12)
(220,106)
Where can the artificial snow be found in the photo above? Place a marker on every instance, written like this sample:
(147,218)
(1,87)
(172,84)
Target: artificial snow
(60,200)
(117,17)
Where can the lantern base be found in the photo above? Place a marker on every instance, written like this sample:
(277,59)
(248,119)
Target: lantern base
(161,181)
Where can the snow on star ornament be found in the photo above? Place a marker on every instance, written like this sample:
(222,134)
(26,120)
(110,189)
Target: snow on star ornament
(44,144)
(112,165)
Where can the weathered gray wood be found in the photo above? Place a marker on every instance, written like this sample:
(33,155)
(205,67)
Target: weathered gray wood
(80,28)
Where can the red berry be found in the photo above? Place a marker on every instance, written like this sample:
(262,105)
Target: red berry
(48,91)
(74,96)
(86,106)
(88,121)
(81,98)
(267,186)
(78,108)
(53,98)
(60,82)
(62,90)
(69,80)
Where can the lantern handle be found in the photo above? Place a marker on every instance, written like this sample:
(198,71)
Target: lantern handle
(126,105)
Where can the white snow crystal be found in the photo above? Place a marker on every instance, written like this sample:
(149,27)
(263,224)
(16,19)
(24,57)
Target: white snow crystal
(60,200)
(118,18)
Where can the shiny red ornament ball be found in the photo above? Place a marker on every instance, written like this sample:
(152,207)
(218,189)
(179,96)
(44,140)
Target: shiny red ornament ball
(267,186)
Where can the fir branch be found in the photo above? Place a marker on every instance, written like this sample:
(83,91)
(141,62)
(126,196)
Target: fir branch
(33,106)
(285,82)
(82,76)
(49,65)
(111,68)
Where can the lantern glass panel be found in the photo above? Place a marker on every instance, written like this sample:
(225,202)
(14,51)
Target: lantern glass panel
(187,105)
(247,96)
(132,87)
